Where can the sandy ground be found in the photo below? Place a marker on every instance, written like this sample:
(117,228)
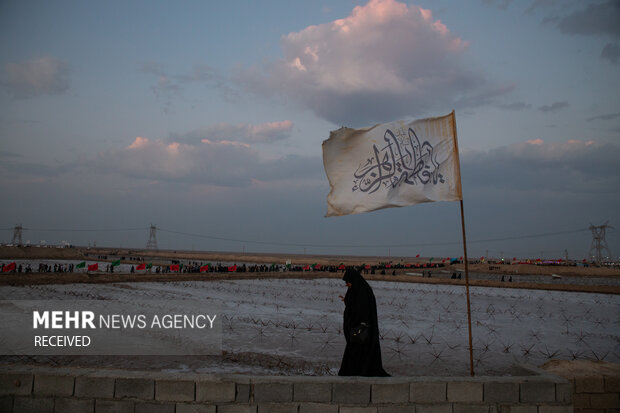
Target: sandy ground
(165,255)
(270,362)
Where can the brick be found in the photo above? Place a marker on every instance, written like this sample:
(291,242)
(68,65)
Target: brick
(612,383)
(154,407)
(277,408)
(495,392)
(434,408)
(581,400)
(273,392)
(312,392)
(6,404)
(390,392)
(535,392)
(215,391)
(354,393)
(137,388)
(470,408)
(242,393)
(17,384)
(465,391)
(113,406)
(318,408)
(236,408)
(590,384)
(605,401)
(97,387)
(174,390)
(396,409)
(518,409)
(427,392)
(33,405)
(555,409)
(194,408)
(53,385)
(74,405)
(349,409)
(564,392)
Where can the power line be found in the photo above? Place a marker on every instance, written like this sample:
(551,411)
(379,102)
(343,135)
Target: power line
(78,230)
(293,244)
(427,244)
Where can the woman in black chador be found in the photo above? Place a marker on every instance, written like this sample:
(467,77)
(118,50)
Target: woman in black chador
(360,307)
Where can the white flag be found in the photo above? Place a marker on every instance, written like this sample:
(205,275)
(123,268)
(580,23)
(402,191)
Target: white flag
(392,165)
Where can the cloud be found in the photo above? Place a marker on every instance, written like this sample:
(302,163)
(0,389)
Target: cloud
(516,106)
(608,116)
(222,163)
(554,107)
(573,167)
(500,4)
(597,19)
(384,60)
(36,77)
(611,52)
(169,86)
(244,132)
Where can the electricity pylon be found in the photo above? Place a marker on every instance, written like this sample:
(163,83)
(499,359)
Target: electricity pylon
(599,244)
(151,244)
(17,235)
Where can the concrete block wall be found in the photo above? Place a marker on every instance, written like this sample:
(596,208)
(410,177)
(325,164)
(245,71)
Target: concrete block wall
(55,390)
(596,394)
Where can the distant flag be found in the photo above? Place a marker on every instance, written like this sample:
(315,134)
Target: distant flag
(417,256)
(367,267)
(93,267)
(175,267)
(407,265)
(341,267)
(204,268)
(307,267)
(430,259)
(392,165)
(10,267)
(141,267)
(232,268)
(317,267)
(81,265)
(116,263)
(149,265)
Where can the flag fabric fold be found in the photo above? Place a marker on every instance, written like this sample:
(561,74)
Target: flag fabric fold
(10,267)
(392,165)
(93,267)
(116,263)
(81,265)
(141,267)
(204,268)
(175,267)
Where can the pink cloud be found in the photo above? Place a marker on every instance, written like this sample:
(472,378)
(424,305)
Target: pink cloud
(383,60)
(243,132)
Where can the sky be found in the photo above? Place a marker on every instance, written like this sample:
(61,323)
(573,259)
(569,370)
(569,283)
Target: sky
(206,119)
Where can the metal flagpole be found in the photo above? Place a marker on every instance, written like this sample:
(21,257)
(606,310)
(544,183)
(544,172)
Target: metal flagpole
(471,351)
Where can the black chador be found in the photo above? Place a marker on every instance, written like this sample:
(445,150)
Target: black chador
(361,307)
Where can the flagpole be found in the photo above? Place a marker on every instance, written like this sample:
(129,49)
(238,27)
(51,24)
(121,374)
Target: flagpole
(471,350)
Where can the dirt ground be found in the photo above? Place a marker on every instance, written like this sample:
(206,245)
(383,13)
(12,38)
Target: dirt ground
(325,260)
(296,259)
(581,368)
